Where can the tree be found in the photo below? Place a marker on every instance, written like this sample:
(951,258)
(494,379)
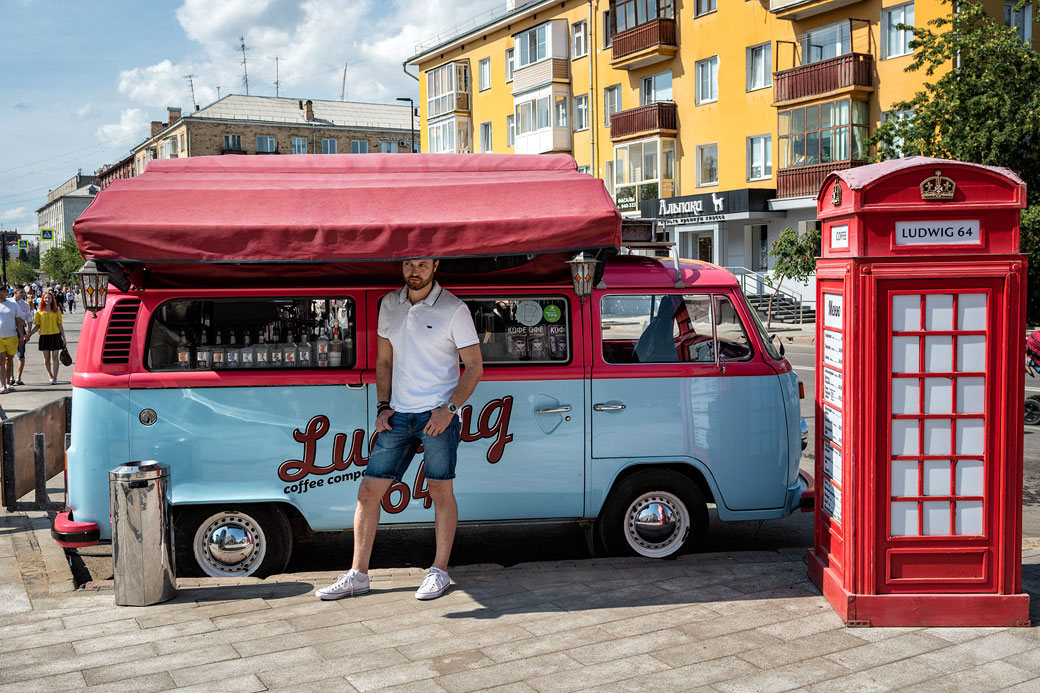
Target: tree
(795,255)
(984,107)
(61,261)
(19,272)
(23,255)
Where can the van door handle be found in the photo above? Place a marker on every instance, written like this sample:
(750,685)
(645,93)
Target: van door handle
(355,386)
(608,407)
(554,410)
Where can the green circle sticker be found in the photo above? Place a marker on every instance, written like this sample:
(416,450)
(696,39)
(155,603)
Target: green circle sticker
(552,313)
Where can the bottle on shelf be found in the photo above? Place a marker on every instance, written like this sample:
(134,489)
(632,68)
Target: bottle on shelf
(348,344)
(275,349)
(335,349)
(321,350)
(306,352)
(231,355)
(289,352)
(203,353)
(262,353)
(183,353)
(245,354)
(218,354)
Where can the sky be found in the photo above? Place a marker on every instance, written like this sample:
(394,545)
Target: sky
(81,81)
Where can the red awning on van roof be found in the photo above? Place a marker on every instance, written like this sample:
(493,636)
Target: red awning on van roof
(348,208)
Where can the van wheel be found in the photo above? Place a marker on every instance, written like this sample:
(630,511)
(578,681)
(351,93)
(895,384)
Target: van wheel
(657,513)
(1032,410)
(235,541)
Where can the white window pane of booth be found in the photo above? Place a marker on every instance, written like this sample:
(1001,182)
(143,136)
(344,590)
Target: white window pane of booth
(904,478)
(938,354)
(937,478)
(970,437)
(906,313)
(936,517)
(971,395)
(938,395)
(969,477)
(905,434)
(971,354)
(936,437)
(906,355)
(904,519)
(906,396)
(938,312)
(968,517)
(971,312)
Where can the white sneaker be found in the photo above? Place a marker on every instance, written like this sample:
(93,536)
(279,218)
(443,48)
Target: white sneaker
(349,584)
(433,585)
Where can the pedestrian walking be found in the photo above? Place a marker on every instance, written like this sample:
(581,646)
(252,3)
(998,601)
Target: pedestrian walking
(47,322)
(59,297)
(70,300)
(10,335)
(25,318)
(422,331)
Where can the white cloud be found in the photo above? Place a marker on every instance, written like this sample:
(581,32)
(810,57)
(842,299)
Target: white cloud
(16,213)
(131,128)
(84,111)
(160,84)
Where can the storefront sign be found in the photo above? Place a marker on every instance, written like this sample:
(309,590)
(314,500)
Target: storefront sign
(840,235)
(943,232)
(708,207)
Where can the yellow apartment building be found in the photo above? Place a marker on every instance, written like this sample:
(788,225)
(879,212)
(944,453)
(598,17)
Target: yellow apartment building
(717,118)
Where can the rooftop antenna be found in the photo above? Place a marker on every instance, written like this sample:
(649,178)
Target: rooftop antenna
(277,84)
(191,85)
(343,88)
(245,71)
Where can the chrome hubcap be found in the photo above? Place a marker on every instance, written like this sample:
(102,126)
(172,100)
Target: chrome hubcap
(229,544)
(656,524)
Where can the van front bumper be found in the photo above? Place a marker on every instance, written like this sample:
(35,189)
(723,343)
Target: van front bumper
(71,534)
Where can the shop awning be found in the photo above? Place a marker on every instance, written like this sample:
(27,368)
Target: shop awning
(347,209)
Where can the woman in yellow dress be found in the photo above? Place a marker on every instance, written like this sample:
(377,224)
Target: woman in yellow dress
(52,334)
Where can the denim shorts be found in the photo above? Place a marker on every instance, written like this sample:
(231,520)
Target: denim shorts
(395,448)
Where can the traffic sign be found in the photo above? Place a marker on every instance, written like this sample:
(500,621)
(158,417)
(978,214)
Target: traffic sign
(46,234)
(23,245)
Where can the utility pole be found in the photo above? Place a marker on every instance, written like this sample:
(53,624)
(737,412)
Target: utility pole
(277,83)
(245,70)
(343,87)
(191,85)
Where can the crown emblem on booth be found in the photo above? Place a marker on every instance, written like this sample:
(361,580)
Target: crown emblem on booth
(938,187)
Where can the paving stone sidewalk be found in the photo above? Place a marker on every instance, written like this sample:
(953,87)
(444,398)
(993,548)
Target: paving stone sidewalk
(738,621)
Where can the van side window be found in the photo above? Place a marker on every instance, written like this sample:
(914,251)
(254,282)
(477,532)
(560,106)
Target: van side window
(252,334)
(522,329)
(671,328)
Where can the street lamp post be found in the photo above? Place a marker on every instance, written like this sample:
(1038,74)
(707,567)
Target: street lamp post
(411,117)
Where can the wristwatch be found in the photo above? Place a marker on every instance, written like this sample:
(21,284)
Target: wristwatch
(452,408)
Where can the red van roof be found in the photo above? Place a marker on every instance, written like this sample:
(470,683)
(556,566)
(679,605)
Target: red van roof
(347,208)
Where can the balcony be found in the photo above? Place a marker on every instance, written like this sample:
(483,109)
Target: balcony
(851,72)
(653,119)
(644,45)
(800,9)
(802,181)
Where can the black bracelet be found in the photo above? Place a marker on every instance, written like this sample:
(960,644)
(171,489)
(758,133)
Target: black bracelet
(383,406)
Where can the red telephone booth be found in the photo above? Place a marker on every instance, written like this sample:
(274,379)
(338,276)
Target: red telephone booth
(919,395)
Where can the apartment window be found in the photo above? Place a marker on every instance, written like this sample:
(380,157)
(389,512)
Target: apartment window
(707,80)
(441,137)
(579,39)
(182,142)
(608,30)
(387,147)
(759,62)
(759,157)
(485,137)
(1021,19)
(442,86)
(826,42)
(532,115)
(896,41)
(834,131)
(299,145)
(265,143)
(703,7)
(358,147)
(642,170)
(581,112)
(904,115)
(232,143)
(656,88)
(585,169)
(632,13)
(509,65)
(708,164)
(484,74)
(532,45)
(174,151)
(561,111)
(328,146)
(611,102)
(510,131)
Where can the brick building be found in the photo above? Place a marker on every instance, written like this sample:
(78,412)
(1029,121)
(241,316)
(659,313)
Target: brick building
(110,172)
(271,125)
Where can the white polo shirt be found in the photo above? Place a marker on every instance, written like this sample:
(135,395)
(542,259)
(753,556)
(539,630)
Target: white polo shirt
(426,338)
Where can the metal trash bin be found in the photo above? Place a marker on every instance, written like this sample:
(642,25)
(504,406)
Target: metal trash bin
(142,534)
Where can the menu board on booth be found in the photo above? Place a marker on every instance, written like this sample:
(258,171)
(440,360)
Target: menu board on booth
(832,392)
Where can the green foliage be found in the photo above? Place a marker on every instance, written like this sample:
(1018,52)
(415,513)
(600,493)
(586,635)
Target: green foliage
(983,108)
(34,258)
(795,255)
(19,272)
(23,255)
(60,262)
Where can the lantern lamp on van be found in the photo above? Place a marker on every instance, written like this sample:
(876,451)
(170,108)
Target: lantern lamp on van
(93,286)
(583,269)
